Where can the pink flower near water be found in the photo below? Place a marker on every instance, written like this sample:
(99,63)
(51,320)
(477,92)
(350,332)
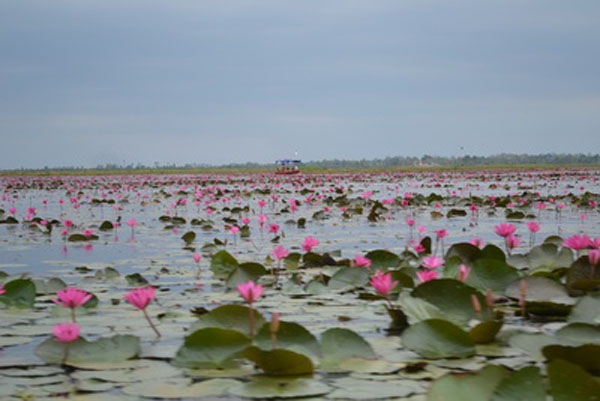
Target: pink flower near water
(72,297)
(362,261)
(250,291)
(280,253)
(478,242)
(131,223)
(234,230)
(140,297)
(262,203)
(88,233)
(273,228)
(427,275)
(309,243)
(533,226)
(505,229)
(463,272)
(512,241)
(2,290)
(197,257)
(577,242)
(441,233)
(431,262)
(593,256)
(410,222)
(245,221)
(382,282)
(66,332)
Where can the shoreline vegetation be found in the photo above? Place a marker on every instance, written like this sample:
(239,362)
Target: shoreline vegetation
(388,164)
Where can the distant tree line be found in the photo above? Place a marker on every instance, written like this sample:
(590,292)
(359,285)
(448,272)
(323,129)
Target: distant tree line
(508,159)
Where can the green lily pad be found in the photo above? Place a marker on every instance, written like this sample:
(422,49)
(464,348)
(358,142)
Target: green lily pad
(279,362)
(465,251)
(548,257)
(476,386)
(291,336)
(569,382)
(189,237)
(587,310)
(211,347)
(544,296)
(249,271)
(50,286)
(451,297)
(222,264)
(532,343)
(280,388)
(168,389)
(349,277)
(485,332)
(582,277)
(382,259)
(82,353)
(491,251)
(292,261)
(586,356)
(233,317)
(350,388)
(339,344)
(580,333)
(491,273)
(20,293)
(523,385)
(437,338)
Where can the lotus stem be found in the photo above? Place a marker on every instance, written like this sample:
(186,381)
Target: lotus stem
(150,323)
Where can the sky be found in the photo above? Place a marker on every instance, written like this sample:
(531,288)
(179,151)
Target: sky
(95,82)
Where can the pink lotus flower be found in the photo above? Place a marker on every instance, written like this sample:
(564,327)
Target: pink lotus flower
(197,257)
(66,332)
(245,221)
(441,233)
(593,256)
(478,242)
(512,242)
(463,272)
(262,219)
(280,253)
(427,275)
(262,203)
(2,290)
(362,261)
(72,297)
(234,230)
(419,248)
(309,243)
(410,222)
(88,233)
(577,242)
(382,282)
(250,291)
(431,262)
(140,297)
(131,223)
(533,226)
(273,228)
(504,229)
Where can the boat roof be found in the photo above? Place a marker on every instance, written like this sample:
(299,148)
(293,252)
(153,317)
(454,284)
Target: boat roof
(288,161)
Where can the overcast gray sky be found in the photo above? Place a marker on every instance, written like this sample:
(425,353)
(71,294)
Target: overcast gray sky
(90,82)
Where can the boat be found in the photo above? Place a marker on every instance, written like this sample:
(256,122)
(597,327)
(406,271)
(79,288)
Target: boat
(288,166)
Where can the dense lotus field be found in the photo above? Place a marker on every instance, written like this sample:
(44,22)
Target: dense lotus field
(431,285)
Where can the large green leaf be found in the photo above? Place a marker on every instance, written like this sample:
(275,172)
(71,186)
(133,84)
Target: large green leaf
(586,356)
(84,353)
(234,317)
(451,297)
(491,273)
(491,251)
(465,251)
(382,259)
(582,277)
(339,344)
(569,382)
(349,277)
(279,362)
(20,293)
(523,385)
(280,388)
(587,310)
(437,338)
(211,347)
(544,296)
(248,271)
(479,386)
(289,335)
(222,264)
(548,257)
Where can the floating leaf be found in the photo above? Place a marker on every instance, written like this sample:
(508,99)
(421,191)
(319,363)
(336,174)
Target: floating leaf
(485,332)
(549,257)
(189,237)
(382,259)
(586,356)
(167,389)
(290,335)
(468,386)
(465,251)
(587,310)
(211,347)
(338,344)
(348,277)
(450,296)
(136,280)
(491,273)
(248,271)
(222,264)
(50,286)
(580,333)
(582,277)
(569,382)
(437,338)
(234,317)
(267,388)
(20,293)
(82,353)
(544,296)
(279,362)
(523,385)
